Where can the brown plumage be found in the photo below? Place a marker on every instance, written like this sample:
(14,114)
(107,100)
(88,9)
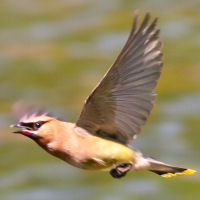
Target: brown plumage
(113,113)
(122,101)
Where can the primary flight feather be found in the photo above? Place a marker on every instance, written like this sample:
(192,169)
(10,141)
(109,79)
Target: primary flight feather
(122,101)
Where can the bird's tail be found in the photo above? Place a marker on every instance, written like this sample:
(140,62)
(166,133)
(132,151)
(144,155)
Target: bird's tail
(166,170)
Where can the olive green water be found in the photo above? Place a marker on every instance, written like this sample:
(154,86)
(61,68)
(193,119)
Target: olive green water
(52,53)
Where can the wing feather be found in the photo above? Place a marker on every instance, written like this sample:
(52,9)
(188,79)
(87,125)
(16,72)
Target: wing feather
(121,103)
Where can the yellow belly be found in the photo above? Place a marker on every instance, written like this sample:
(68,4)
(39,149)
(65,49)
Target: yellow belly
(105,154)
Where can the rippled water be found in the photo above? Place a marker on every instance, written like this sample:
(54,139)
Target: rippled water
(52,54)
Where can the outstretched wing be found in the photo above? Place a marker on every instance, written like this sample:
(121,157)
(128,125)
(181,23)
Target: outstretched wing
(120,104)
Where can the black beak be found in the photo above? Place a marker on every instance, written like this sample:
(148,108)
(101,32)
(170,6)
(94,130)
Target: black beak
(18,125)
(15,125)
(24,130)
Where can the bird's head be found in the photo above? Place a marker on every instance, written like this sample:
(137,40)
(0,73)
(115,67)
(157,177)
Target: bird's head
(36,127)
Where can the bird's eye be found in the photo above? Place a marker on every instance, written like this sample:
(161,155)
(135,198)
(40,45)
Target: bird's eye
(37,125)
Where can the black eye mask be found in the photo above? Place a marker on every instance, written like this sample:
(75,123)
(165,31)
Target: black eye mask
(33,125)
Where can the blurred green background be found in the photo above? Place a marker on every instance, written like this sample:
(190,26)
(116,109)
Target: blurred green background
(52,54)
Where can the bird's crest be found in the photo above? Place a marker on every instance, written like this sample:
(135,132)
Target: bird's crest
(23,111)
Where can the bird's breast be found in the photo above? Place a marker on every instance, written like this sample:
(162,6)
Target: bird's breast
(81,149)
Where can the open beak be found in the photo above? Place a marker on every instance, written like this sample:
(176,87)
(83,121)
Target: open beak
(17,125)
(23,129)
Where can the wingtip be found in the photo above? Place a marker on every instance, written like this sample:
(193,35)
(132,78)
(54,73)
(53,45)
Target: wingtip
(148,15)
(155,21)
(136,17)
(136,13)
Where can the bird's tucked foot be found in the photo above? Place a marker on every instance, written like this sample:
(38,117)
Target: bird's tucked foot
(121,170)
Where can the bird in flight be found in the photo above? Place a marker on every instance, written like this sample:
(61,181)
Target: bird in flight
(112,115)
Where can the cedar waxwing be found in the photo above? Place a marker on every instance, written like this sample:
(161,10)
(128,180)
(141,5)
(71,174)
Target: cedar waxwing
(112,115)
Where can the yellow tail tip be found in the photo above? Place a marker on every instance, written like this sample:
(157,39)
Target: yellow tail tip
(185,172)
